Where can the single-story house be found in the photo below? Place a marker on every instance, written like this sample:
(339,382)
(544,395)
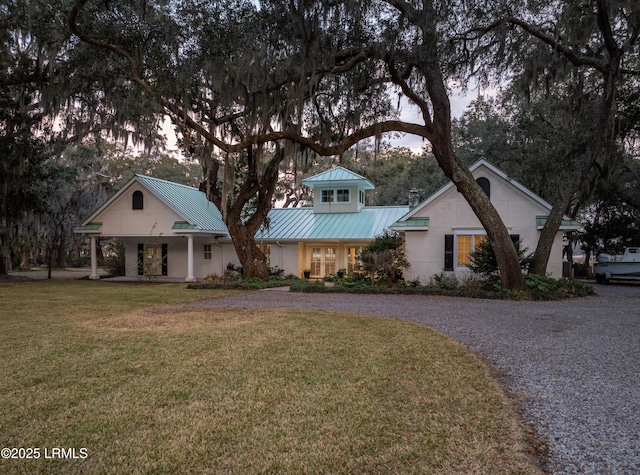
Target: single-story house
(173,230)
(441,232)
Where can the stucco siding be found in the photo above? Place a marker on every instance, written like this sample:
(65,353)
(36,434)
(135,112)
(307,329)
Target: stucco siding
(449,213)
(336,207)
(119,219)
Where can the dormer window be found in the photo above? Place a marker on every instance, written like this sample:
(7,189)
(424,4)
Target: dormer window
(138,200)
(342,196)
(336,196)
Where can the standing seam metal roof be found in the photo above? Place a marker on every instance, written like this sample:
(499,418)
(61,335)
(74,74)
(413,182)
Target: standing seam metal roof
(303,224)
(189,202)
(338,175)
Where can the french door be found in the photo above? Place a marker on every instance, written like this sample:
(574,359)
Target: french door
(323,261)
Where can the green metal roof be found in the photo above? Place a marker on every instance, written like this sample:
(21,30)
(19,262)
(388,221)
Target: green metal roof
(188,202)
(301,224)
(566,223)
(412,223)
(338,176)
(88,227)
(183,225)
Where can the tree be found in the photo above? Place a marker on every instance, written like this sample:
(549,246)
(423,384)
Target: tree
(483,260)
(23,168)
(594,44)
(612,217)
(236,77)
(45,105)
(384,259)
(542,145)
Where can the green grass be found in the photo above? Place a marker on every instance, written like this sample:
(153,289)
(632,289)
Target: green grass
(150,384)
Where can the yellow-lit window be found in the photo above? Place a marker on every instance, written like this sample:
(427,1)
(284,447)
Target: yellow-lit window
(354,261)
(466,244)
(323,261)
(464,251)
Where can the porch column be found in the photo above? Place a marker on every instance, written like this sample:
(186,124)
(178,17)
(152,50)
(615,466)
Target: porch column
(94,259)
(190,277)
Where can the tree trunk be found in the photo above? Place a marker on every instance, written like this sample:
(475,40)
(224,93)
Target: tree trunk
(258,186)
(497,233)
(252,259)
(545,242)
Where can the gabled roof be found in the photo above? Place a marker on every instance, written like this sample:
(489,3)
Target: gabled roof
(302,224)
(190,203)
(483,163)
(198,213)
(338,176)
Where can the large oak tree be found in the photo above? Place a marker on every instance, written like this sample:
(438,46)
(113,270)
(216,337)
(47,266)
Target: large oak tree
(592,46)
(319,74)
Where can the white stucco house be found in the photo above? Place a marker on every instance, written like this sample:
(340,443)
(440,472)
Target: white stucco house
(442,232)
(173,230)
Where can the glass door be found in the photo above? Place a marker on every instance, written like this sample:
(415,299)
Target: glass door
(323,261)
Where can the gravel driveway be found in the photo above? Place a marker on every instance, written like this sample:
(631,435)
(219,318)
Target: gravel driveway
(573,365)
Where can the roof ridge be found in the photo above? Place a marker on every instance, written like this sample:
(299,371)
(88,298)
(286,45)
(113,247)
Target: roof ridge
(147,177)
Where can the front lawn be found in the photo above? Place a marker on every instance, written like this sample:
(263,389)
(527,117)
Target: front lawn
(137,380)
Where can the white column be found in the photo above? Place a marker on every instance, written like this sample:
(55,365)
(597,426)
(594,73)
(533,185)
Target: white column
(190,277)
(94,259)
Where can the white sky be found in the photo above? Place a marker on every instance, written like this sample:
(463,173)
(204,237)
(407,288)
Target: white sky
(409,113)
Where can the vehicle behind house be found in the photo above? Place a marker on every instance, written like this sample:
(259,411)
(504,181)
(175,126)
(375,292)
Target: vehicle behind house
(618,267)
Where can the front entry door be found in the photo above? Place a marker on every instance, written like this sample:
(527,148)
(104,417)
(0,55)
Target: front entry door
(323,261)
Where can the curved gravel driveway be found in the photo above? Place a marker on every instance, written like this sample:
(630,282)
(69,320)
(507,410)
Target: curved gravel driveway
(572,365)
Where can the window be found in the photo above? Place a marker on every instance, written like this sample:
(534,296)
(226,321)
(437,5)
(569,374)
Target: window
(323,261)
(361,196)
(342,196)
(336,196)
(485,184)
(466,244)
(138,200)
(207,251)
(458,249)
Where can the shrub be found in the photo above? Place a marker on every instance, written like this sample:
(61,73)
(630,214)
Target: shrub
(548,288)
(114,259)
(484,262)
(444,281)
(384,259)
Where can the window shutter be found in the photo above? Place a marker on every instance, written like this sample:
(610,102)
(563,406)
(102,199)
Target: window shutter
(448,252)
(515,238)
(140,259)
(165,251)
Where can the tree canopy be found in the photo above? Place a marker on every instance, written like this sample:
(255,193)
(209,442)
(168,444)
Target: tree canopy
(251,86)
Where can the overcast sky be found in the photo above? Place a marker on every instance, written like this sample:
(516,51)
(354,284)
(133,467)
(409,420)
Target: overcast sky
(409,113)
